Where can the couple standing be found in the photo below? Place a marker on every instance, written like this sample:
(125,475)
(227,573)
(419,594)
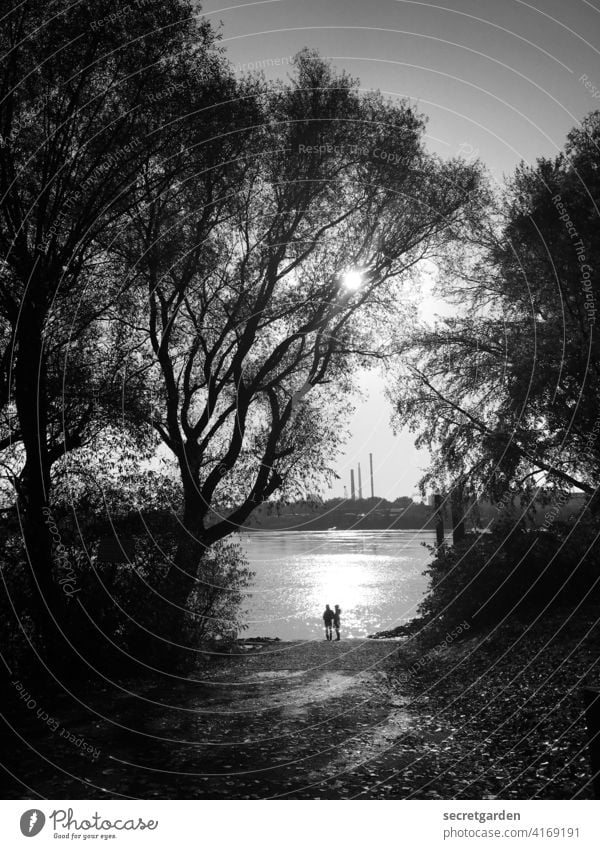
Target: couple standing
(332,617)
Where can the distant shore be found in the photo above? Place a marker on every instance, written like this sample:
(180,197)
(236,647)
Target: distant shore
(345,517)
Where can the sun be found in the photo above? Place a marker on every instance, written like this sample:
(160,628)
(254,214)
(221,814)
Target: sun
(352,279)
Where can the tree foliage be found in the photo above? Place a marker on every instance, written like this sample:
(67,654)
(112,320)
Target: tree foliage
(174,243)
(252,333)
(85,134)
(504,392)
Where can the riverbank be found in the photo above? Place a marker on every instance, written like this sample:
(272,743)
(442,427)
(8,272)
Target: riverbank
(494,715)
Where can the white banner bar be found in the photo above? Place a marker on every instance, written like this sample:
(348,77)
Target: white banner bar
(283,824)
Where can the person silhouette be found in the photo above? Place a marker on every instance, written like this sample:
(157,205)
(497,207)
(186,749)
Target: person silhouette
(328,619)
(337,621)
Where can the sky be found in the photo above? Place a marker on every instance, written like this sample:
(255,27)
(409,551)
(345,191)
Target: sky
(501,80)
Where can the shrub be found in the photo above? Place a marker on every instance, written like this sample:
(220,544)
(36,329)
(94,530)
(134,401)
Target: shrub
(17,628)
(116,615)
(513,571)
(127,603)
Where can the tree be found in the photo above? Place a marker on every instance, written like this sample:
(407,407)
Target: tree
(504,392)
(253,326)
(87,97)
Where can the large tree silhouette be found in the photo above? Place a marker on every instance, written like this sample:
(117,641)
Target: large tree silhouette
(505,393)
(254,328)
(82,109)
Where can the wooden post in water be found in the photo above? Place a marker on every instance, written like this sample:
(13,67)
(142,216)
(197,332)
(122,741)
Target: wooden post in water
(458,515)
(591,698)
(439,519)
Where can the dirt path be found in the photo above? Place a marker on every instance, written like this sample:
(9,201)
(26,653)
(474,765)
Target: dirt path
(300,720)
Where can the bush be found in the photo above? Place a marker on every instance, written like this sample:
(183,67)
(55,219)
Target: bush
(127,603)
(17,627)
(116,617)
(513,571)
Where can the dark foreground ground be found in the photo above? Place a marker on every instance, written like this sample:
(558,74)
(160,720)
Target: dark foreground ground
(307,720)
(497,717)
(510,706)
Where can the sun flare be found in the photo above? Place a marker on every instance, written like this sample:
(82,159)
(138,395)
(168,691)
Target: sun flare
(352,279)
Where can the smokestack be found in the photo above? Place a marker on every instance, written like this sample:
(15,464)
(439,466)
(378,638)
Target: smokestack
(352,492)
(372,487)
(359,483)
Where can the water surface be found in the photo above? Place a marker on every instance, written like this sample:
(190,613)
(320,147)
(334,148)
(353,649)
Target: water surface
(375,576)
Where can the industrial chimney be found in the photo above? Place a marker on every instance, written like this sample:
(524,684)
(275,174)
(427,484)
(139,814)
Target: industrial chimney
(352,492)
(359,483)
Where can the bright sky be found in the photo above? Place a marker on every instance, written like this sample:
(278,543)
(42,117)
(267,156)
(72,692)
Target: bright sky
(499,79)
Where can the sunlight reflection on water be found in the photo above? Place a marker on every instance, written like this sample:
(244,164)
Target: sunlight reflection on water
(375,576)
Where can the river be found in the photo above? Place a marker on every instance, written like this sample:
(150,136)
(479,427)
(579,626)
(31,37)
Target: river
(375,576)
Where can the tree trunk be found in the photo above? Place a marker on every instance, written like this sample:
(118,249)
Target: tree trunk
(34,485)
(181,577)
